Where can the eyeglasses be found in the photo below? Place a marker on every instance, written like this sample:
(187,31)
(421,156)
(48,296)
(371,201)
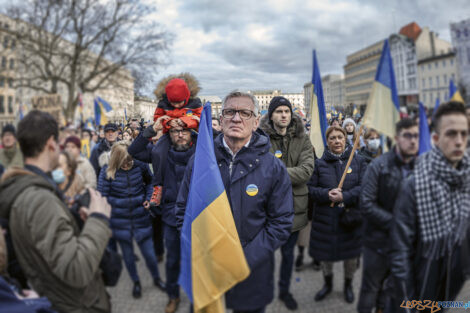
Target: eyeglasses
(244,114)
(410,136)
(178,131)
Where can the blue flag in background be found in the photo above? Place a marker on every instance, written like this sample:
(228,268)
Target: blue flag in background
(101,107)
(318,120)
(424,136)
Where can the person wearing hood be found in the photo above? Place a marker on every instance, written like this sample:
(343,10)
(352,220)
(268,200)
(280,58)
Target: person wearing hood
(350,127)
(336,230)
(60,261)
(372,148)
(10,154)
(177,106)
(291,145)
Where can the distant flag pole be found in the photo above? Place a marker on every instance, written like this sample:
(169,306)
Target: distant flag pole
(454,93)
(382,112)
(125,114)
(101,108)
(317,111)
(212,258)
(424,136)
(436,105)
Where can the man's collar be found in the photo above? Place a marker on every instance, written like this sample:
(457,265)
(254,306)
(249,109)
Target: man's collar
(230,150)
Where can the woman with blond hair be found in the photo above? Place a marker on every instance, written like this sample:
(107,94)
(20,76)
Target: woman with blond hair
(126,183)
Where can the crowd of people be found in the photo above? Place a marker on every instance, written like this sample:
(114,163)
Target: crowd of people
(75,203)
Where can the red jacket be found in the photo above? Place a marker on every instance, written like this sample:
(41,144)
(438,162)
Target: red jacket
(194,107)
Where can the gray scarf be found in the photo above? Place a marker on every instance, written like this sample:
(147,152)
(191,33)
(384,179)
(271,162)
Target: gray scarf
(443,202)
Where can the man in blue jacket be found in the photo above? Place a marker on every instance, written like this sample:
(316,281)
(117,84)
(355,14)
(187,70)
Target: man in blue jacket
(260,194)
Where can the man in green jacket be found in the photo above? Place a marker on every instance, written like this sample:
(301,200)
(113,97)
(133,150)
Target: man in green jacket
(10,155)
(60,262)
(292,146)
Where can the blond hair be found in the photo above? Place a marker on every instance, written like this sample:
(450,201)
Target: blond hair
(119,157)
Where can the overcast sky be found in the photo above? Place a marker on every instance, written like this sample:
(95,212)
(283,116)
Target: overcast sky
(267,44)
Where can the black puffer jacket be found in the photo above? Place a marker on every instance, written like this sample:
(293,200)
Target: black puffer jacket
(380,187)
(416,277)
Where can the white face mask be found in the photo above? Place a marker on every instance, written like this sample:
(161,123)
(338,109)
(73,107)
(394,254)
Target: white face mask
(373,144)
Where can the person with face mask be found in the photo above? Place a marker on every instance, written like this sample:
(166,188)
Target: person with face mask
(372,148)
(350,127)
(65,176)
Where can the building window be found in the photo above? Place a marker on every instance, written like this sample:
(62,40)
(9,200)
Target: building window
(436,64)
(4,62)
(10,105)
(443,63)
(13,44)
(430,82)
(12,64)
(451,62)
(445,79)
(10,82)
(431,97)
(5,42)
(423,83)
(2,105)
(453,77)
(2,81)
(424,97)
(437,81)
(468,55)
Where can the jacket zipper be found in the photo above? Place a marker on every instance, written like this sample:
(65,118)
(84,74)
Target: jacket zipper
(129,200)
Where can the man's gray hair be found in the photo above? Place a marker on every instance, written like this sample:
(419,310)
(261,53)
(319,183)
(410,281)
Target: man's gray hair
(238,94)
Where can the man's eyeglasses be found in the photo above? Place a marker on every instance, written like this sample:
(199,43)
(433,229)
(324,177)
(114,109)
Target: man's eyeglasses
(410,136)
(244,114)
(178,131)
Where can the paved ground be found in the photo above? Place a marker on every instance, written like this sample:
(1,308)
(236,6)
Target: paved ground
(304,285)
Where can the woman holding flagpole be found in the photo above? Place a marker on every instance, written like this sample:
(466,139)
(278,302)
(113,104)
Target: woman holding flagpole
(336,224)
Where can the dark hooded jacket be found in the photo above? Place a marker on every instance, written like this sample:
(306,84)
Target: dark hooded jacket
(263,220)
(329,240)
(60,261)
(296,152)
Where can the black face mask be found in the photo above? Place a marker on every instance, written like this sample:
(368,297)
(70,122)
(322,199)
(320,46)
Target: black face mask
(350,133)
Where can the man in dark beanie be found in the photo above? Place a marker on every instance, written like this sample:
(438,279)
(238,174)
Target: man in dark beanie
(292,146)
(10,155)
(431,223)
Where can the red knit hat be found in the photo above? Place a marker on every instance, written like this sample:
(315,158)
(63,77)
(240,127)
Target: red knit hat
(177,90)
(73,139)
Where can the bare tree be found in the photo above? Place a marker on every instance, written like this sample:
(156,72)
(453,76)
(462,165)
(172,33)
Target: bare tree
(85,45)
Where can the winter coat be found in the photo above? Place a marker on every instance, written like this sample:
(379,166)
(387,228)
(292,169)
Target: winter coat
(86,170)
(141,149)
(193,107)
(367,155)
(416,277)
(172,177)
(97,151)
(11,157)
(263,221)
(126,194)
(380,188)
(329,241)
(60,261)
(296,152)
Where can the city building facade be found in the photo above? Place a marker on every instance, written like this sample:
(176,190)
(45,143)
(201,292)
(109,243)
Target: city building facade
(460,34)
(333,90)
(264,98)
(359,73)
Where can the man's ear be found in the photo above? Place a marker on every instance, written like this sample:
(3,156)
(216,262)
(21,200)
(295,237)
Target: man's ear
(435,137)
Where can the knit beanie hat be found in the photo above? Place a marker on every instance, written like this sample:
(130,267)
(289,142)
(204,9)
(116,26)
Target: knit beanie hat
(73,139)
(348,121)
(9,129)
(277,102)
(177,90)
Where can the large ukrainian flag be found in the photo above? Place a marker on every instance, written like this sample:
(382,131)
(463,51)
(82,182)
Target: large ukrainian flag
(382,112)
(101,107)
(212,258)
(424,136)
(317,110)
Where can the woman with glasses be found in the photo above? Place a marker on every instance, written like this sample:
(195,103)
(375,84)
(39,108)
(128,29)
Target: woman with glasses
(125,182)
